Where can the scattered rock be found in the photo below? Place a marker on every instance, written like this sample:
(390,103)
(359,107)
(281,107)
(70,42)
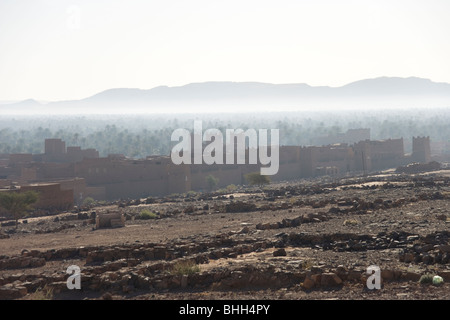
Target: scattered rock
(308,283)
(330,279)
(10,292)
(387,275)
(106,296)
(110,220)
(444,248)
(279,252)
(9,223)
(244,230)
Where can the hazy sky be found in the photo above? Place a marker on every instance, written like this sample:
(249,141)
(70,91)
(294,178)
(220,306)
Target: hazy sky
(59,50)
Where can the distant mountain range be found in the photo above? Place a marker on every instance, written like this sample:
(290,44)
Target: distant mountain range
(383,92)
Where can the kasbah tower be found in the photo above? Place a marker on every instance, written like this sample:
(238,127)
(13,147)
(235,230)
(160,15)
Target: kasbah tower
(421,149)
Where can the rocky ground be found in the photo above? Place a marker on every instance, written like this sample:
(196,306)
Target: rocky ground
(310,239)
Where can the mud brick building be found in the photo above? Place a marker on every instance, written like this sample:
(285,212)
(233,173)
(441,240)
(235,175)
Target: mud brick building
(67,175)
(349,137)
(421,149)
(378,155)
(53,197)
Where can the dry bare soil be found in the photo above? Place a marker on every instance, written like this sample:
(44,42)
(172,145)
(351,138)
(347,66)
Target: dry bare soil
(309,239)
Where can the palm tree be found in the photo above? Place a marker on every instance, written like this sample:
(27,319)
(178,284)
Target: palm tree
(17,203)
(211,181)
(255,178)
